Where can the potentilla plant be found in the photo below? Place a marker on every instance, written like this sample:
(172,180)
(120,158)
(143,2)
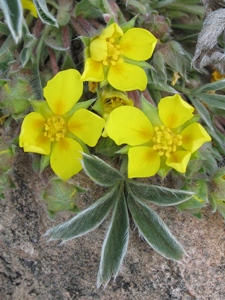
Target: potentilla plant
(162,148)
(122,142)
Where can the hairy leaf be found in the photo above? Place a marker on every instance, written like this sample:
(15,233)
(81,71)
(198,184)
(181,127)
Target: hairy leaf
(158,194)
(214,100)
(116,241)
(203,112)
(154,230)
(213,86)
(13,13)
(85,221)
(99,171)
(44,14)
(87,9)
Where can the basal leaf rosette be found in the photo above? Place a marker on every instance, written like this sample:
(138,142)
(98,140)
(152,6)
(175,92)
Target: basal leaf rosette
(55,127)
(113,57)
(166,142)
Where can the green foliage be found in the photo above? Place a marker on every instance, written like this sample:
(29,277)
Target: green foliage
(7,156)
(60,196)
(123,194)
(86,220)
(13,13)
(99,171)
(158,194)
(154,230)
(44,14)
(217,191)
(87,9)
(116,241)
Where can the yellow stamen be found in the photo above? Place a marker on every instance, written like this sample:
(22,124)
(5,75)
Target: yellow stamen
(55,128)
(166,141)
(111,103)
(113,53)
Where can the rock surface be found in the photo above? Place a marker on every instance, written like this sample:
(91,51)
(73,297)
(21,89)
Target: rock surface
(32,268)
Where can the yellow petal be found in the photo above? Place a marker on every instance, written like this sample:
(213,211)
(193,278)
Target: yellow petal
(113,31)
(127,77)
(31,138)
(142,162)
(93,71)
(63,91)
(65,158)
(194,136)
(98,49)
(179,160)
(174,111)
(28,4)
(129,125)
(87,126)
(138,44)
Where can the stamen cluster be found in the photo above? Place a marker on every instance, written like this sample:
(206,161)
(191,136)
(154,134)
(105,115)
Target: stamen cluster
(112,103)
(113,53)
(165,140)
(55,128)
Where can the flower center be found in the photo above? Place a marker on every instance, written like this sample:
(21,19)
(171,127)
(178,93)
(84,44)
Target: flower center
(113,53)
(165,141)
(111,103)
(55,128)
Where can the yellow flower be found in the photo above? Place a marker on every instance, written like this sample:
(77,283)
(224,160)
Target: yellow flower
(28,4)
(56,127)
(109,100)
(216,75)
(167,141)
(113,54)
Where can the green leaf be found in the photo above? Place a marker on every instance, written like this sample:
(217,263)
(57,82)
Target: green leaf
(86,221)
(163,87)
(142,9)
(128,25)
(54,44)
(214,100)
(154,230)
(68,62)
(99,171)
(141,64)
(191,9)
(41,107)
(106,146)
(218,139)
(27,51)
(13,13)
(87,9)
(193,203)
(158,194)
(150,111)
(213,86)
(45,161)
(60,196)
(116,241)
(202,110)
(4,29)
(85,40)
(44,14)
